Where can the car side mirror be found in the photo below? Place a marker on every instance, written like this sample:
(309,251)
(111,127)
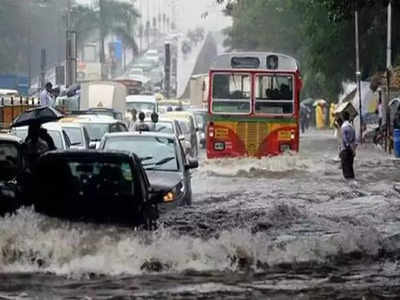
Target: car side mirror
(192,164)
(92,145)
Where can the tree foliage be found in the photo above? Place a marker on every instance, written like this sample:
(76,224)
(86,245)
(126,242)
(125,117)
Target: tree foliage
(319,33)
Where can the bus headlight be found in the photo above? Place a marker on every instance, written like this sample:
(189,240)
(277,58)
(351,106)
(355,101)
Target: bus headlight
(219,146)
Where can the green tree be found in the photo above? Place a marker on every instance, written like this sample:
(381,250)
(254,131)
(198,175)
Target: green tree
(320,33)
(107,17)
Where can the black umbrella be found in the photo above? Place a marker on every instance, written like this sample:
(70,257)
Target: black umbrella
(37,115)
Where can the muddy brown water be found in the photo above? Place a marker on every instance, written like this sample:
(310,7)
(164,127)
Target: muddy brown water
(286,227)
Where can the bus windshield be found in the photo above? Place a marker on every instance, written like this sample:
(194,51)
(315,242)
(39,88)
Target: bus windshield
(273,94)
(231,93)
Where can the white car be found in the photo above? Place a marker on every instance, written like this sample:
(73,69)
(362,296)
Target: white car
(54,129)
(77,133)
(136,71)
(97,126)
(151,53)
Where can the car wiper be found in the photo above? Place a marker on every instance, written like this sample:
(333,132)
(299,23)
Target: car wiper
(145,158)
(164,160)
(160,162)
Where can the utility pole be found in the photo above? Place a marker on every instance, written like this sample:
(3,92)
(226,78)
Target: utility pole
(388,72)
(42,68)
(71,50)
(68,46)
(70,53)
(167,70)
(358,73)
(102,53)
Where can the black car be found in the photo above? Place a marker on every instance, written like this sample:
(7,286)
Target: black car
(163,158)
(107,187)
(11,163)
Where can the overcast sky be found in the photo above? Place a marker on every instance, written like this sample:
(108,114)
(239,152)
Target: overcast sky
(187,12)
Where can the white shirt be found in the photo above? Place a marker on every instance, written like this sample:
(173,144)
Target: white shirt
(45,98)
(380,111)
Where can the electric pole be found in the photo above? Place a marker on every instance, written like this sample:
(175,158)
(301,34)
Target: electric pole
(358,73)
(102,37)
(388,72)
(71,50)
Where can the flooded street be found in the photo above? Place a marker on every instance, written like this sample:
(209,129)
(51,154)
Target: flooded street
(286,227)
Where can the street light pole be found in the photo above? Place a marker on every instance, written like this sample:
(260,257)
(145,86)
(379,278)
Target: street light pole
(388,71)
(358,73)
(68,67)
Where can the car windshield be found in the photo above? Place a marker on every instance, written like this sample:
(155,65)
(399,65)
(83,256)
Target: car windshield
(75,135)
(87,178)
(158,153)
(164,127)
(55,135)
(141,106)
(97,130)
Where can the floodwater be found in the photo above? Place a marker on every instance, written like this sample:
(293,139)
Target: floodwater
(286,227)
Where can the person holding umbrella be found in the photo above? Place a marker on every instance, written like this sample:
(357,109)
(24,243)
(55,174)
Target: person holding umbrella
(35,144)
(38,140)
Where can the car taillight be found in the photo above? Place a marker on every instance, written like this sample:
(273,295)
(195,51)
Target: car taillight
(211,130)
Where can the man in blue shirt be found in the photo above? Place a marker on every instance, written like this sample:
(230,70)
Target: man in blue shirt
(348,147)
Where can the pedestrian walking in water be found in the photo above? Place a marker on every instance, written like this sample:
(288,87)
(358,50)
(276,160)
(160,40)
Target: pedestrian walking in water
(332,109)
(320,116)
(132,119)
(348,147)
(142,126)
(304,112)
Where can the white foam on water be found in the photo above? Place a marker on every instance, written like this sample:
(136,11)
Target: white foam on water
(30,242)
(255,166)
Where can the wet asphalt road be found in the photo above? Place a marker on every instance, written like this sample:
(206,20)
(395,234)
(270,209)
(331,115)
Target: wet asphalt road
(286,227)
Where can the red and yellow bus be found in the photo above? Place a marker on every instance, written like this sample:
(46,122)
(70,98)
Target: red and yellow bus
(253,105)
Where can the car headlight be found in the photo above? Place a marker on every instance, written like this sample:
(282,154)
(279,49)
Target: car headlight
(175,193)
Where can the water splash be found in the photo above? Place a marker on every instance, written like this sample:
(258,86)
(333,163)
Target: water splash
(30,242)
